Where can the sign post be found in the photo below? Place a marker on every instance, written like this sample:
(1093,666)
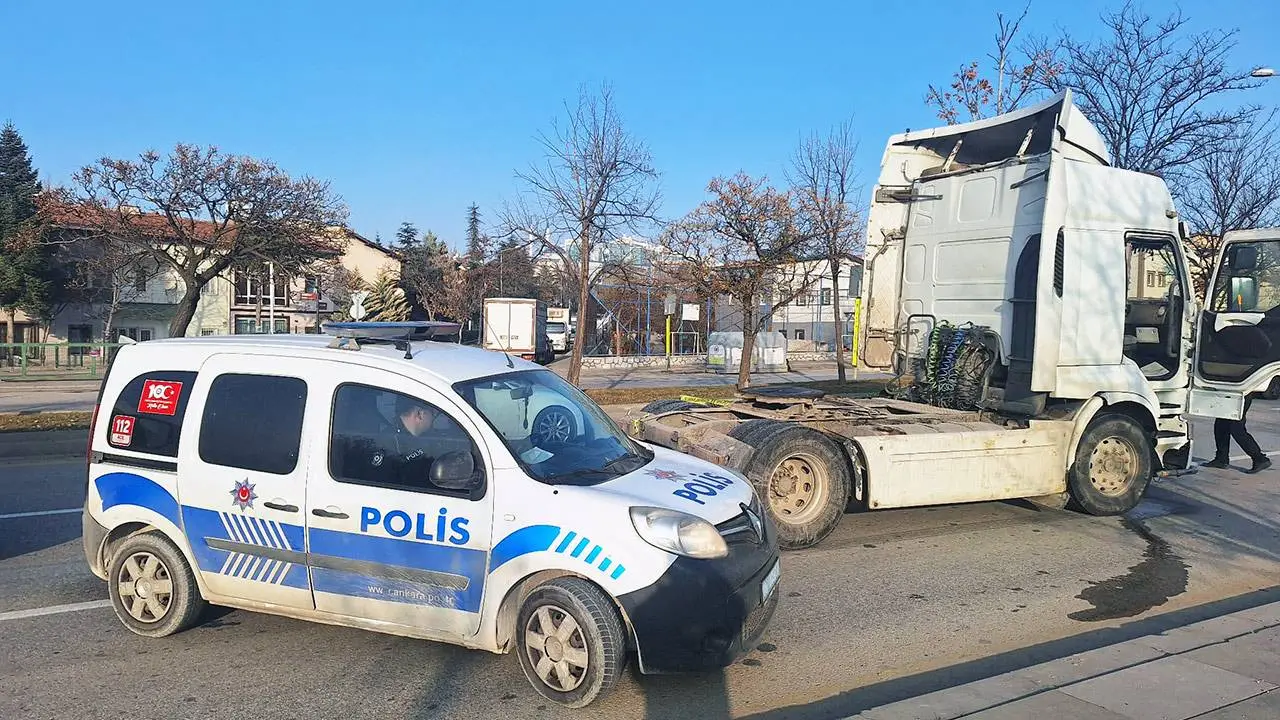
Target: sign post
(669,309)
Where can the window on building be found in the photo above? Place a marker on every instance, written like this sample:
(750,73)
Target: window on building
(206,332)
(372,440)
(155,430)
(135,333)
(140,277)
(825,296)
(253,422)
(802,299)
(799,334)
(251,326)
(252,288)
(855,281)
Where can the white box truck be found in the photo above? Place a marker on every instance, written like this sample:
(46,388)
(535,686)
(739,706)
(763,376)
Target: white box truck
(517,326)
(1037,307)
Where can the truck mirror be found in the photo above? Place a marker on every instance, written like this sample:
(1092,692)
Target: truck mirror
(1244,258)
(1244,294)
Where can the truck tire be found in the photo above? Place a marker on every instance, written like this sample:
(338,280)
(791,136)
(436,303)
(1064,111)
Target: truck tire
(571,644)
(153,590)
(1112,466)
(803,479)
(665,406)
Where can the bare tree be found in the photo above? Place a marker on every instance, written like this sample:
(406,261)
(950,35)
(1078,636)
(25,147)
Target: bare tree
(1159,94)
(824,180)
(1019,76)
(200,211)
(1234,188)
(745,243)
(596,182)
(101,275)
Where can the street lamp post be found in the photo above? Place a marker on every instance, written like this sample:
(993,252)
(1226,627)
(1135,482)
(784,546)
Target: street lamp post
(1263,72)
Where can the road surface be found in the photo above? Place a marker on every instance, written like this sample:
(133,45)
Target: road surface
(893,603)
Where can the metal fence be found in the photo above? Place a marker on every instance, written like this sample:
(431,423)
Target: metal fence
(55,360)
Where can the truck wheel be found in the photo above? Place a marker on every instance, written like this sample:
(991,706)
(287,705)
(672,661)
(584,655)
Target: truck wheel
(553,427)
(802,477)
(1112,466)
(664,406)
(572,647)
(152,588)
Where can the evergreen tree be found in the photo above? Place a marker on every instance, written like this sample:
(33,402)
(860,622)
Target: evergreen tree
(406,236)
(477,243)
(28,278)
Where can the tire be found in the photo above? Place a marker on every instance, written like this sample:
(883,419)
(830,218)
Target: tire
(1112,466)
(143,564)
(803,478)
(597,636)
(664,406)
(553,427)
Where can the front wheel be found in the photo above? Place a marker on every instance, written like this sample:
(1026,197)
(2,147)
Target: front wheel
(152,588)
(554,427)
(1112,466)
(572,646)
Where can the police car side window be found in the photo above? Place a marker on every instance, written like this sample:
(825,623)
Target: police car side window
(148,412)
(388,439)
(253,422)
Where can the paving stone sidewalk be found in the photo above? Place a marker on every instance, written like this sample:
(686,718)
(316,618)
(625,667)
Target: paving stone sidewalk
(1224,668)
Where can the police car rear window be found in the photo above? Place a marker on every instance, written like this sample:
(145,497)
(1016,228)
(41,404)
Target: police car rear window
(253,422)
(147,415)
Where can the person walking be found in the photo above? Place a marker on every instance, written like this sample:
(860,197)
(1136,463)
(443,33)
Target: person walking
(1224,431)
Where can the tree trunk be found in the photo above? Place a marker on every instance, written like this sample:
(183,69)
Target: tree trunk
(184,312)
(838,322)
(748,346)
(584,277)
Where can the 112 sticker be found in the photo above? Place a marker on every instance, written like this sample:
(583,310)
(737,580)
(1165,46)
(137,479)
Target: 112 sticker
(122,430)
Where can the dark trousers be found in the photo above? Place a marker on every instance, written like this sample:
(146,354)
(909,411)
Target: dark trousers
(1224,431)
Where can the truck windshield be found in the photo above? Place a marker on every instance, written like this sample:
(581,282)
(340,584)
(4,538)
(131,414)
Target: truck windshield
(555,328)
(557,433)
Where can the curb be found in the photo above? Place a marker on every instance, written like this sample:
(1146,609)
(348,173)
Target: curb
(43,443)
(963,700)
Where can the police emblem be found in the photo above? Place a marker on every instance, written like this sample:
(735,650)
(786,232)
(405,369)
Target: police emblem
(243,495)
(665,475)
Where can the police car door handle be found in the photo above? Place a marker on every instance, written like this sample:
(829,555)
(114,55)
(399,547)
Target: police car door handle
(335,514)
(281,506)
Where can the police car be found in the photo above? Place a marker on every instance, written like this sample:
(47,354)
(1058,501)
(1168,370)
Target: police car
(369,479)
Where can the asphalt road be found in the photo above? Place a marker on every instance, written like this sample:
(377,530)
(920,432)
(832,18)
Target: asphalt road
(894,603)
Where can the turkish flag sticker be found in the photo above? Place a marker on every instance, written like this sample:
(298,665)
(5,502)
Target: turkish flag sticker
(160,397)
(122,430)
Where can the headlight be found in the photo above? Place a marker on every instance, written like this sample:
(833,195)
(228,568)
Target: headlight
(679,533)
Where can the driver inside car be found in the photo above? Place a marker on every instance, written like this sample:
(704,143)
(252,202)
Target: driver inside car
(422,434)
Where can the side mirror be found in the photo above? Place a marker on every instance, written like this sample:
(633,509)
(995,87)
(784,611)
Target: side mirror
(1244,258)
(455,471)
(1244,294)
(521,392)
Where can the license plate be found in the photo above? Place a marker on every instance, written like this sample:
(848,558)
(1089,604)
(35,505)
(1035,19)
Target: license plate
(770,582)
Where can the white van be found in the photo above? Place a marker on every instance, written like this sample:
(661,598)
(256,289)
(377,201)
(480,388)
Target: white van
(422,489)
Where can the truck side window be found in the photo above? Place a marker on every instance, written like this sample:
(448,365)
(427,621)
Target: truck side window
(153,428)
(1249,280)
(253,422)
(389,439)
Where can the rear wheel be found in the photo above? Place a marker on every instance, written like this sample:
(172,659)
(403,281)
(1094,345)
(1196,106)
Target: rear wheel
(152,588)
(1112,466)
(571,642)
(803,478)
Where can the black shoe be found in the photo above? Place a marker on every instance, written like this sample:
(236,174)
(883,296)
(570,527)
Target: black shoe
(1219,463)
(1259,464)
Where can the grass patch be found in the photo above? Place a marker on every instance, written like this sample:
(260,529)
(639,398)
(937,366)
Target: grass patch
(625,396)
(36,422)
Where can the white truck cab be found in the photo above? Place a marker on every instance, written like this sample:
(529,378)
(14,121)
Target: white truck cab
(422,489)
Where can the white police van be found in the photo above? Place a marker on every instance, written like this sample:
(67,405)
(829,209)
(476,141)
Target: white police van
(417,488)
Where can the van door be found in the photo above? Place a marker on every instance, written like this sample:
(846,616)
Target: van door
(243,480)
(388,539)
(1238,345)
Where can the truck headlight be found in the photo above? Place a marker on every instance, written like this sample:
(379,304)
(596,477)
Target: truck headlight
(678,532)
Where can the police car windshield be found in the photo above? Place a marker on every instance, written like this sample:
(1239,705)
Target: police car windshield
(556,432)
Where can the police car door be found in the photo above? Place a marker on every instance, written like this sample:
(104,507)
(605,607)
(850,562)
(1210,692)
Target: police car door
(243,478)
(385,542)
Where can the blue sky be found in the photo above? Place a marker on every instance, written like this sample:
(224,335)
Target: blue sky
(414,110)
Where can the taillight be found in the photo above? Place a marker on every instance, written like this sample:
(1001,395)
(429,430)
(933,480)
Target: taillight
(93,428)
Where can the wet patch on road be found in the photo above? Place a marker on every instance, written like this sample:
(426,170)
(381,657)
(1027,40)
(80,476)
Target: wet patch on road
(1161,575)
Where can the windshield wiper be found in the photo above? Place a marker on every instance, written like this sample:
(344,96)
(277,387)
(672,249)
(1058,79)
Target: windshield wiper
(623,458)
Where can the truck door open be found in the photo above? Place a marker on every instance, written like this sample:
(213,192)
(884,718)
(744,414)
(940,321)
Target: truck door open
(1238,348)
